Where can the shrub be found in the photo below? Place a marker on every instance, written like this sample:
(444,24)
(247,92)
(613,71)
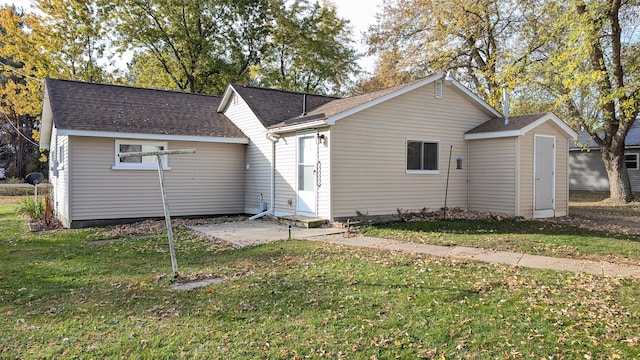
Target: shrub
(31,207)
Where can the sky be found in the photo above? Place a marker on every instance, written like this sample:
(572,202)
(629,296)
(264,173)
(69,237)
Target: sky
(360,13)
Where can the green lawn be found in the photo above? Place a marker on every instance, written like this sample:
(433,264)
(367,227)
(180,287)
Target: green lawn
(527,236)
(62,297)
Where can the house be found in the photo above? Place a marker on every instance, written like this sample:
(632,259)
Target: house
(85,126)
(586,167)
(261,151)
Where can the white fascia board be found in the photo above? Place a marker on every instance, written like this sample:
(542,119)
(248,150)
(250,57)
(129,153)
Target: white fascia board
(46,124)
(498,134)
(555,120)
(226,97)
(332,119)
(441,76)
(119,135)
(475,98)
(297,127)
(493,135)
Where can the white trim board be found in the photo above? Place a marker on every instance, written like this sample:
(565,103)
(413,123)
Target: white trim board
(163,137)
(450,82)
(331,120)
(521,132)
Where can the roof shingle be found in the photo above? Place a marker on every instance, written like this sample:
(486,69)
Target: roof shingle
(112,108)
(273,106)
(497,124)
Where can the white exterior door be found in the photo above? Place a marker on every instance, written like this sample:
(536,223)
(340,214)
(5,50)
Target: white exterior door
(306,193)
(544,176)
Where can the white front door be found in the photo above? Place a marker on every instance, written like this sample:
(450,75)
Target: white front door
(307,156)
(544,175)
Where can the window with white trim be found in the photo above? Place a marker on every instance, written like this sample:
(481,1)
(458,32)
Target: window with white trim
(423,156)
(631,160)
(139,162)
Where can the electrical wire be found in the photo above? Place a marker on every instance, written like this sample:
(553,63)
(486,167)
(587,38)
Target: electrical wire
(18,130)
(13,69)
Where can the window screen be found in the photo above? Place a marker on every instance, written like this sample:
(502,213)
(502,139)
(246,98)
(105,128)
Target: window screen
(422,155)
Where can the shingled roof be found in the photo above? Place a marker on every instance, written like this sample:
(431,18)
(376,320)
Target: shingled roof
(340,105)
(273,106)
(498,123)
(337,109)
(84,106)
(515,126)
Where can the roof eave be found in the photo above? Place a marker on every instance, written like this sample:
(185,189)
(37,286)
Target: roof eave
(440,76)
(556,120)
(46,123)
(226,98)
(493,135)
(522,131)
(298,127)
(341,115)
(148,136)
(475,98)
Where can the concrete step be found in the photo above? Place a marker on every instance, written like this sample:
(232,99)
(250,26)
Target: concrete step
(302,221)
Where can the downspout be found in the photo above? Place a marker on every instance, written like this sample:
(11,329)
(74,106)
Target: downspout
(274,139)
(468,176)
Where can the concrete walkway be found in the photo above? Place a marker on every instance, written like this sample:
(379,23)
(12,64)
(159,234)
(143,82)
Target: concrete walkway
(248,233)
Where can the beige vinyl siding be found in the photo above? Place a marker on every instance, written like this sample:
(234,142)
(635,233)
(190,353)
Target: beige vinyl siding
(287,175)
(324,170)
(60,182)
(526,174)
(258,154)
(527,170)
(207,182)
(368,154)
(492,175)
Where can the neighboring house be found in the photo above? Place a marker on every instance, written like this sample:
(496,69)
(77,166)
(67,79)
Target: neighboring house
(586,167)
(264,150)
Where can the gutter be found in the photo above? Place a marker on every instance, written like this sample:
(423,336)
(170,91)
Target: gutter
(300,126)
(274,139)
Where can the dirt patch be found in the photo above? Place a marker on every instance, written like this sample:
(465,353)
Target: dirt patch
(149,226)
(612,223)
(42,225)
(587,211)
(7,200)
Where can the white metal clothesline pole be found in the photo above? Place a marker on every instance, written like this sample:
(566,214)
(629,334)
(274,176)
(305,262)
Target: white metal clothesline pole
(165,201)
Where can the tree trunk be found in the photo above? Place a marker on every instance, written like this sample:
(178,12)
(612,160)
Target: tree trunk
(619,184)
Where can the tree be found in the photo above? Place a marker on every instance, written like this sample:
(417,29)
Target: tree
(20,96)
(201,45)
(63,39)
(414,38)
(310,50)
(71,37)
(145,71)
(587,61)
